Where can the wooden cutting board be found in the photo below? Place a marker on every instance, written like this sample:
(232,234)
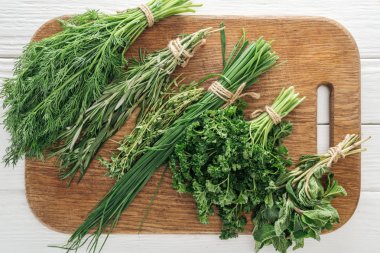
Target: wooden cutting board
(316,50)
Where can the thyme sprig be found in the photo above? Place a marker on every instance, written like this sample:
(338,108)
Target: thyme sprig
(169,107)
(246,63)
(141,85)
(58,78)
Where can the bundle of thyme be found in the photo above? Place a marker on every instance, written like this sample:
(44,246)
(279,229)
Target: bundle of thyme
(300,205)
(167,109)
(218,163)
(246,63)
(141,85)
(57,78)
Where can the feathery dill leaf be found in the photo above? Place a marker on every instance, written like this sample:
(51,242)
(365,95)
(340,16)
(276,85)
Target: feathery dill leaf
(57,78)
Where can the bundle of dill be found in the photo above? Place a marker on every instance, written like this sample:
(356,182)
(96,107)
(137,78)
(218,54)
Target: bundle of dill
(141,85)
(246,63)
(57,78)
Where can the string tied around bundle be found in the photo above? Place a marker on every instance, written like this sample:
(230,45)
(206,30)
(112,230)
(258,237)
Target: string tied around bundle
(274,116)
(344,148)
(180,53)
(148,14)
(337,151)
(227,96)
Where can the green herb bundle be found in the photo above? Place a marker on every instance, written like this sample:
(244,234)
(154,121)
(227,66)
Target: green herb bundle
(169,107)
(57,78)
(301,200)
(245,64)
(141,85)
(286,101)
(218,163)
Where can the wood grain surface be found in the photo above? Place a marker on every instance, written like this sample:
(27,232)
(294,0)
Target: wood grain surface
(315,51)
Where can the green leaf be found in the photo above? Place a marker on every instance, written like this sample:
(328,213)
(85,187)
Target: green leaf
(334,189)
(284,218)
(264,233)
(320,216)
(211,187)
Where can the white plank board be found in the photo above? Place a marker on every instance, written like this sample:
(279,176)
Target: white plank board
(21,232)
(20,18)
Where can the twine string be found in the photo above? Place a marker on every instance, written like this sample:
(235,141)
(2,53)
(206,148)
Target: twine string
(274,116)
(148,14)
(337,151)
(227,96)
(180,53)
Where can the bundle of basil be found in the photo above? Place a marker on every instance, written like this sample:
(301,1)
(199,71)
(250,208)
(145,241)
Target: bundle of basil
(245,64)
(300,200)
(141,86)
(223,164)
(57,78)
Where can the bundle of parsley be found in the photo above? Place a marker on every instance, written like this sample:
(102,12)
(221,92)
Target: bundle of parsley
(219,163)
(57,78)
(246,63)
(141,86)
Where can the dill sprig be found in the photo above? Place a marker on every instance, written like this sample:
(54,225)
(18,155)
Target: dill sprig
(169,107)
(245,64)
(57,78)
(141,86)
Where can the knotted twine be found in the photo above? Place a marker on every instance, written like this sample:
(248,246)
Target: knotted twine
(227,96)
(148,14)
(273,115)
(343,148)
(337,151)
(180,53)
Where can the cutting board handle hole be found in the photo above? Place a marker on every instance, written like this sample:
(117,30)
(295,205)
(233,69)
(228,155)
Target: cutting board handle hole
(324,95)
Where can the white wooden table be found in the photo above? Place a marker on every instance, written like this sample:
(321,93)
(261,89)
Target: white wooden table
(21,232)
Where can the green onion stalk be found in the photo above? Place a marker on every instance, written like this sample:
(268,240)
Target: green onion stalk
(246,63)
(141,85)
(58,78)
(171,105)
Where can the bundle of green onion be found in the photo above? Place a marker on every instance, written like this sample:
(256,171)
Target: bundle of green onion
(141,85)
(245,64)
(57,78)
